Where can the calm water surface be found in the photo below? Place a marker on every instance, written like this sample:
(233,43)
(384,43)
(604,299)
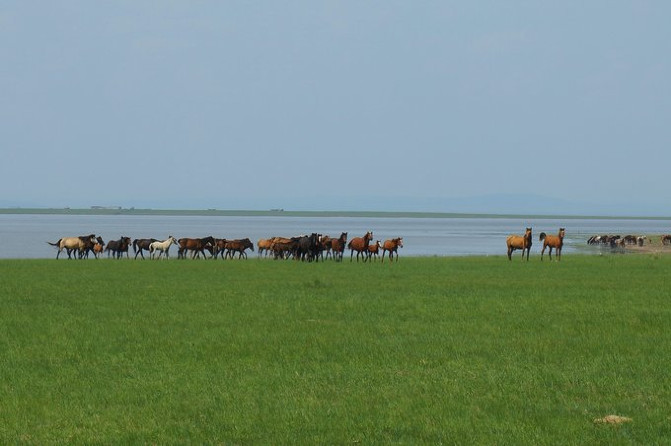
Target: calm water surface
(25,236)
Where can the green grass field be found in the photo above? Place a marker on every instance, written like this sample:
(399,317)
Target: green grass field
(425,351)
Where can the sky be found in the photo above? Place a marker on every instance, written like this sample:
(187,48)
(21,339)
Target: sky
(527,106)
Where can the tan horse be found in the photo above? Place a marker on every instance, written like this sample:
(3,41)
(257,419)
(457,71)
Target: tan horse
(522,242)
(552,241)
(70,244)
(360,245)
(264,244)
(392,246)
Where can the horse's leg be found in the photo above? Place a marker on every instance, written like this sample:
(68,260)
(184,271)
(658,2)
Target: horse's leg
(510,253)
(550,252)
(543,251)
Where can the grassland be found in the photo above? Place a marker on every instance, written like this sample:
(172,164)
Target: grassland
(425,351)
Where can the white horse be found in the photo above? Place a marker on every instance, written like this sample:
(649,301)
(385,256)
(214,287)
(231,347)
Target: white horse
(163,247)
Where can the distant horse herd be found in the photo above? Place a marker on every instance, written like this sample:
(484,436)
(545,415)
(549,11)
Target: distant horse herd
(307,248)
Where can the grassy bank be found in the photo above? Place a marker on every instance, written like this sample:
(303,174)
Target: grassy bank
(428,350)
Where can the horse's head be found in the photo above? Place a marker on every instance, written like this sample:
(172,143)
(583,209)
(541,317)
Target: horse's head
(562,231)
(369,236)
(173,240)
(400,242)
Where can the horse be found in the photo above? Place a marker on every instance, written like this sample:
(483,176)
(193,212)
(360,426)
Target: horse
(197,245)
(140,244)
(666,239)
(98,248)
(392,246)
(116,248)
(522,242)
(264,244)
(91,246)
(360,245)
(552,241)
(73,243)
(163,247)
(338,246)
(373,250)
(239,246)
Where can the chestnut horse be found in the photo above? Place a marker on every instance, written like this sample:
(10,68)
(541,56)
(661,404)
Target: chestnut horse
(552,241)
(374,250)
(264,244)
(522,242)
(360,245)
(392,246)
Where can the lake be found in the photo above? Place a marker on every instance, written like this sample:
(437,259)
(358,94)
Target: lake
(26,235)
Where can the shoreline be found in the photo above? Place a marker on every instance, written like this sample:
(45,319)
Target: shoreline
(289,213)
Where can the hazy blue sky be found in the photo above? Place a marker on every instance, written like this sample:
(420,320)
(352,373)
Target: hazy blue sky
(335,104)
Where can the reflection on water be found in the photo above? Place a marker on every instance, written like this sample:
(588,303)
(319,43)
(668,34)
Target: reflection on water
(25,236)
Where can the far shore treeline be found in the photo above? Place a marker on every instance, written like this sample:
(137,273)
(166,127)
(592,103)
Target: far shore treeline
(95,210)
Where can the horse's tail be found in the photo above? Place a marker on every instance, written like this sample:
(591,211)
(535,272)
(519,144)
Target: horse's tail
(542,236)
(58,243)
(135,246)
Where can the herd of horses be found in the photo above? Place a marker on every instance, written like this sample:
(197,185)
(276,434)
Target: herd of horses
(313,247)
(524,242)
(617,240)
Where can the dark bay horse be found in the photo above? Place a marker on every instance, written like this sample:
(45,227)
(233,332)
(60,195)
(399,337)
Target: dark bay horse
(522,242)
(116,248)
(142,244)
(553,241)
(360,245)
(392,246)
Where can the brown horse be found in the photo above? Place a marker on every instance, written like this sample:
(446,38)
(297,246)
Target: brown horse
(374,250)
(74,244)
(239,246)
(197,245)
(522,242)
(338,246)
(360,245)
(666,239)
(552,241)
(392,246)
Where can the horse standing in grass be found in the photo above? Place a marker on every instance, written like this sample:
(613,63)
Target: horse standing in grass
(162,247)
(360,245)
(140,244)
(522,242)
(338,246)
(116,248)
(552,241)
(392,247)
(374,250)
(73,244)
